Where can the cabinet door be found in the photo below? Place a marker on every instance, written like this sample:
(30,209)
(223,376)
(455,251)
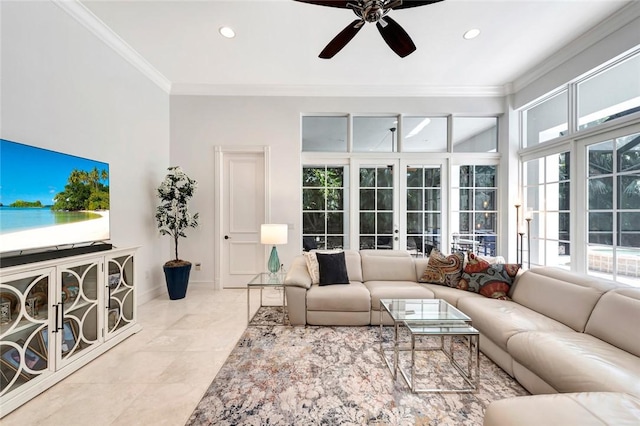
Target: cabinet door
(119,300)
(78,295)
(25,310)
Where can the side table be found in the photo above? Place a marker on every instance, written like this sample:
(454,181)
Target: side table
(266,280)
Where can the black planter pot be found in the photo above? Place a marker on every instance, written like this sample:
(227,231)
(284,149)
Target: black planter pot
(177,278)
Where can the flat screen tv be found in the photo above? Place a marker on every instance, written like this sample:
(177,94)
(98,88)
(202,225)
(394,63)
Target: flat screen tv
(51,203)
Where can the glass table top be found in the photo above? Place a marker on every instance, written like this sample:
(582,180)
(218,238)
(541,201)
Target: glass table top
(268,279)
(424,311)
(440,330)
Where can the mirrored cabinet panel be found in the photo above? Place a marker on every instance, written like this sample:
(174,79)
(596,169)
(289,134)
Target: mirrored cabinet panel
(24,319)
(77,309)
(120,294)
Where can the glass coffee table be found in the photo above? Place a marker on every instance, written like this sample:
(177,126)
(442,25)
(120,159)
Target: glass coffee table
(430,318)
(266,280)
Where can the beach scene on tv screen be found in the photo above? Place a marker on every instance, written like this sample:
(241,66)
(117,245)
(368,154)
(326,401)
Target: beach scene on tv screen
(50,199)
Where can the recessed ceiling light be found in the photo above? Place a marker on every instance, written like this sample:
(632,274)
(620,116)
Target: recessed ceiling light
(472,33)
(227,32)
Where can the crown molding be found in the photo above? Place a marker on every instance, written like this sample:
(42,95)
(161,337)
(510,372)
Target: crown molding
(335,90)
(90,21)
(613,23)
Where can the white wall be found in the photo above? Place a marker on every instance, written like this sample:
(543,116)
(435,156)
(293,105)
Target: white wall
(65,90)
(198,123)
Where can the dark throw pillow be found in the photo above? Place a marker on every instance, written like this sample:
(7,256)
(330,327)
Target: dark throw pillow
(333,268)
(443,270)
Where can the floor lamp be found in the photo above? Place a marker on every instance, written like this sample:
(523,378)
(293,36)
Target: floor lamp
(528,219)
(273,233)
(518,235)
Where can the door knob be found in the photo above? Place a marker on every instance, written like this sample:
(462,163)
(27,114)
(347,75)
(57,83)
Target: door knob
(226,237)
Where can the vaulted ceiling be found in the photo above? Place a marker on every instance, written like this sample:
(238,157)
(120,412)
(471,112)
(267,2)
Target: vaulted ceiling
(277,43)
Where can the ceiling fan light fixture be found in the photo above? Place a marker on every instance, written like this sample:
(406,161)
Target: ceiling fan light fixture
(471,34)
(227,32)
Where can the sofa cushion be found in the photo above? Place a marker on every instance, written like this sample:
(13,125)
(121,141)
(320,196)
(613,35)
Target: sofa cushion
(387,265)
(444,270)
(354,265)
(550,291)
(576,362)
(611,319)
(332,268)
(342,298)
(396,290)
(494,281)
(498,320)
(584,409)
(298,274)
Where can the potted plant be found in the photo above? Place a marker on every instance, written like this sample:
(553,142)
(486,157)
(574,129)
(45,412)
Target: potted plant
(173,218)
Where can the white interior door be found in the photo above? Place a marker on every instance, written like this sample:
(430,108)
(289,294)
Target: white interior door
(243,187)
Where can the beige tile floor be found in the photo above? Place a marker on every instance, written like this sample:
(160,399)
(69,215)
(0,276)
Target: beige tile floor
(157,376)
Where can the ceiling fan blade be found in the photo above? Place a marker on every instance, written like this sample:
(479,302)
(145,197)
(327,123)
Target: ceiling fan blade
(341,39)
(396,37)
(330,3)
(414,3)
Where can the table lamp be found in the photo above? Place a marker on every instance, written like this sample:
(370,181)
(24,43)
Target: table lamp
(273,233)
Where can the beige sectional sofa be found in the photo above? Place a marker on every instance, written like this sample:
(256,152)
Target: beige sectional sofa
(561,332)
(373,274)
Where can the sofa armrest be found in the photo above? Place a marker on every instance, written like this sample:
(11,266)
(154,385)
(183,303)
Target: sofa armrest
(298,275)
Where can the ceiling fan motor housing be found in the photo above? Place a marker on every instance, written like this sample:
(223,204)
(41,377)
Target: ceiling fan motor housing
(372,10)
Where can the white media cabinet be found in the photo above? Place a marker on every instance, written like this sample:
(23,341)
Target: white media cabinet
(58,315)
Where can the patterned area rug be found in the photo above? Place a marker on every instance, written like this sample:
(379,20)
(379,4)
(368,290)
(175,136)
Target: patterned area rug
(335,376)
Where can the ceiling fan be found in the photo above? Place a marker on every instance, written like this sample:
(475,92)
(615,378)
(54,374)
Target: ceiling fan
(372,11)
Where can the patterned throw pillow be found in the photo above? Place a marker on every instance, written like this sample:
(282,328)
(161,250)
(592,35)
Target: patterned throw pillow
(443,270)
(489,280)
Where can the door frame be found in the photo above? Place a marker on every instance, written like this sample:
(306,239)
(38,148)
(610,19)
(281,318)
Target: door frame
(218,166)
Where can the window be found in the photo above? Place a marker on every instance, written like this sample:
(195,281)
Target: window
(547,120)
(613,208)
(375,134)
(390,196)
(324,189)
(324,134)
(424,134)
(424,207)
(547,204)
(475,134)
(474,207)
(606,220)
(610,94)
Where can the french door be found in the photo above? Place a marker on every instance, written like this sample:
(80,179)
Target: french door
(398,205)
(377,205)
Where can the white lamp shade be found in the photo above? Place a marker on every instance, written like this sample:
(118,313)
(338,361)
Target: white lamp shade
(273,233)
